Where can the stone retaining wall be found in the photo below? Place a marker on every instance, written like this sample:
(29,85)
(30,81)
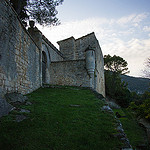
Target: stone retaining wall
(19,55)
(72,73)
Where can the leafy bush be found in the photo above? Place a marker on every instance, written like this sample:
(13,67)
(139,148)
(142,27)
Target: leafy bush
(142,110)
(145,109)
(133,106)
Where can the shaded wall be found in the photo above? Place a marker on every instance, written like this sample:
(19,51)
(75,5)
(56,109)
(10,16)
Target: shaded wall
(67,48)
(52,54)
(74,49)
(71,73)
(19,55)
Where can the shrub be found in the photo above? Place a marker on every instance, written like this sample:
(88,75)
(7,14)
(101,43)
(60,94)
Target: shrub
(142,110)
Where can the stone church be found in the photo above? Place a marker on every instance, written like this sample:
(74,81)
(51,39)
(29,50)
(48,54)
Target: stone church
(28,59)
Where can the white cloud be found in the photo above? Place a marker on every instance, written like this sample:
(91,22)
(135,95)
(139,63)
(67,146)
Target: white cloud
(134,51)
(133,19)
(146,28)
(114,38)
(126,32)
(140,17)
(126,19)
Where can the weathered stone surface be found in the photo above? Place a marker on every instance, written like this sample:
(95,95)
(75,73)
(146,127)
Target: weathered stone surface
(24,72)
(113,105)
(49,48)
(121,134)
(126,142)
(28,103)
(25,111)
(107,108)
(5,108)
(15,97)
(28,59)
(19,61)
(120,129)
(71,73)
(98,95)
(74,49)
(20,118)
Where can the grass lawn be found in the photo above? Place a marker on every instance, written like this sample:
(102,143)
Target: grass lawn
(60,119)
(135,133)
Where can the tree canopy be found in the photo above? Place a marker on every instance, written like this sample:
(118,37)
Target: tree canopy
(115,88)
(115,64)
(42,11)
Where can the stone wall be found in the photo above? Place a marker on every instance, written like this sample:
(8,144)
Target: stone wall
(74,49)
(54,53)
(67,48)
(72,73)
(28,58)
(47,51)
(84,42)
(99,70)
(19,55)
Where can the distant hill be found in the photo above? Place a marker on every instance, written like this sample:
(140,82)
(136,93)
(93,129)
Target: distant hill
(136,84)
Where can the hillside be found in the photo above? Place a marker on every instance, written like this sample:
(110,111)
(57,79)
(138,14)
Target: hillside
(66,118)
(60,119)
(135,84)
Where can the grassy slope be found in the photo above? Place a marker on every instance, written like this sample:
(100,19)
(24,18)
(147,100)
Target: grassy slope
(135,133)
(55,125)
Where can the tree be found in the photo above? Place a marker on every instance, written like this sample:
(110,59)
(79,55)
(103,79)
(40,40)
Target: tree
(42,11)
(19,6)
(115,87)
(115,64)
(142,108)
(146,71)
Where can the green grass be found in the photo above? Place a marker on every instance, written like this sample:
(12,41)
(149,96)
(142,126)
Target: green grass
(55,125)
(135,133)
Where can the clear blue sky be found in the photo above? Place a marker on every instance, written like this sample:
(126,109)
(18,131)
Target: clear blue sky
(81,9)
(122,27)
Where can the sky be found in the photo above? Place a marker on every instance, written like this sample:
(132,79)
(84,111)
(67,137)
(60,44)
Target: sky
(122,27)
